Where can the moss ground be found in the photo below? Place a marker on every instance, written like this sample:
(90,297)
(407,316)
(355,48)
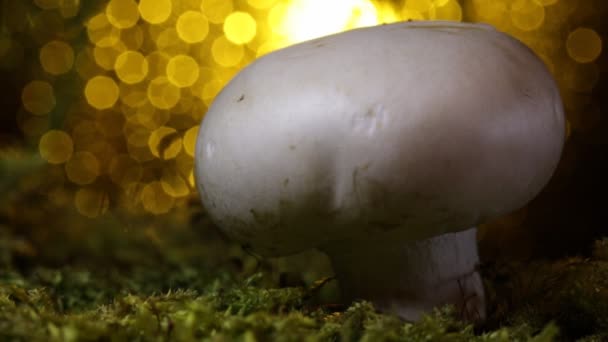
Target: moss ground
(176,279)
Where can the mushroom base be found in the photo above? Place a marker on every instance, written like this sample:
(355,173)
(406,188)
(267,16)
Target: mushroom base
(411,278)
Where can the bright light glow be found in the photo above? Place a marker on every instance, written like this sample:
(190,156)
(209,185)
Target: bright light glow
(309,19)
(192,27)
(387,14)
(101,92)
(240,27)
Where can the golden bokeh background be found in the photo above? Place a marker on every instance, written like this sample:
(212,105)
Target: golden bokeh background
(111,93)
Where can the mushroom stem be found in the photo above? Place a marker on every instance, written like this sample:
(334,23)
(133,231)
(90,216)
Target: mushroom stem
(411,278)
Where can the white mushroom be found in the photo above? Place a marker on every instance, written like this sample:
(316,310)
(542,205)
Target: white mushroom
(384,147)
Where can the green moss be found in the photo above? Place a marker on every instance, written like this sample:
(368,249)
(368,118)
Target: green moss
(173,278)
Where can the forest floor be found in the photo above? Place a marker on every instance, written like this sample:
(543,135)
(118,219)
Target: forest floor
(176,279)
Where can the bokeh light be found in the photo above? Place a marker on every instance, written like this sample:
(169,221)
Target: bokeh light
(165,142)
(101,32)
(447,10)
(527,15)
(105,57)
(101,92)
(122,14)
(155,200)
(131,67)
(132,38)
(114,92)
(584,45)
(155,11)
(38,97)
(192,27)
(56,57)
(240,27)
(174,184)
(302,20)
(190,140)
(162,93)
(69,8)
(226,53)
(182,71)
(56,147)
(216,10)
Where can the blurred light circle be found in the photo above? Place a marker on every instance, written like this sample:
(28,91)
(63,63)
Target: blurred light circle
(173,184)
(240,27)
(165,143)
(584,45)
(85,64)
(190,140)
(182,71)
(162,94)
(527,15)
(101,32)
(131,67)
(105,57)
(157,64)
(101,92)
(226,53)
(132,38)
(134,96)
(216,10)
(155,200)
(155,11)
(38,97)
(169,42)
(69,8)
(56,57)
(448,10)
(122,14)
(192,27)
(490,10)
(151,118)
(56,147)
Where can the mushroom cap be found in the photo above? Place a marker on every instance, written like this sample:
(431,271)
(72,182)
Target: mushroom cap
(411,129)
